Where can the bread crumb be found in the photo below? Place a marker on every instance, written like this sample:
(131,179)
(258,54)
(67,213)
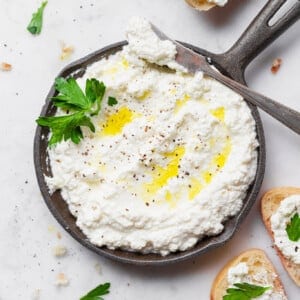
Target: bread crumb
(36,294)
(276,65)
(5,67)
(59,251)
(61,280)
(66,51)
(98,268)
(51,228)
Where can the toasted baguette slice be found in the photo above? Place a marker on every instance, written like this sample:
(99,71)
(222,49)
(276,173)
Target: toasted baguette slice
(269,204)
(256,260)
(202,5)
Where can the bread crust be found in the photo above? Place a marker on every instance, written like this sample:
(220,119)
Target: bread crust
(201,5)
(255,258)
(269,204)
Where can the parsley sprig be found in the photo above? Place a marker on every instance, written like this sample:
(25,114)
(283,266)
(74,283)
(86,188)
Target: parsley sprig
(98,292)
(80,105)
(244,291)
(293,228)
(36,23)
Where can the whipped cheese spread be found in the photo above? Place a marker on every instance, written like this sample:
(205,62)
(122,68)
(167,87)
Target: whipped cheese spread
(168,164)
(144,43)
(241,274)
(279,221)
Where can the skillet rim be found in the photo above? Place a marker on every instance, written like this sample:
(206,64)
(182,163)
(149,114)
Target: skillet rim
(77,69)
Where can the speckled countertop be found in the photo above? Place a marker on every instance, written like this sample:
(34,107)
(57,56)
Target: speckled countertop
(28,232)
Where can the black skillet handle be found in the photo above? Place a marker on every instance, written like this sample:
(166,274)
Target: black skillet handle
(259,35)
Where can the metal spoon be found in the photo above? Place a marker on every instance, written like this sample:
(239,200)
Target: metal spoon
(195,62)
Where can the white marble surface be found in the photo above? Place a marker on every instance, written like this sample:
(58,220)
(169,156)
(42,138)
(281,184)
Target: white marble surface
(28,232)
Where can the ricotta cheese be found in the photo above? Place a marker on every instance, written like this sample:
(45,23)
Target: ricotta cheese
(279,221)
(144,43)
(168,164)
(240,274)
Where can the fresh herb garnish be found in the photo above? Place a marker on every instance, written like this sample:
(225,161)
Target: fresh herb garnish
(112,101)
(35,25)
(97,293)
(244,291)
(293,228)
(81,105)
(66,127)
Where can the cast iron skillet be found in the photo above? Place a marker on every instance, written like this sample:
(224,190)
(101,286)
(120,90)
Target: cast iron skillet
(232,63)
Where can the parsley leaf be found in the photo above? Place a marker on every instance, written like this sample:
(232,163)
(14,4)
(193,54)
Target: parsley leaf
(35,25)
(70,95)
(112,101)
(244,291)
(95,91)
(82,105)
(293,228)
(96,293)
(66,127)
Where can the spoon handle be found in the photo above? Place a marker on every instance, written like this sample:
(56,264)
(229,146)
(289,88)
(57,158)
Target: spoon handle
(280,112)
(262,32)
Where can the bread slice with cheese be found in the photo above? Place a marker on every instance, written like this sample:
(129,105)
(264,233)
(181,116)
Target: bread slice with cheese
(205,5)
(202,5)
(269,204)
(257,261)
